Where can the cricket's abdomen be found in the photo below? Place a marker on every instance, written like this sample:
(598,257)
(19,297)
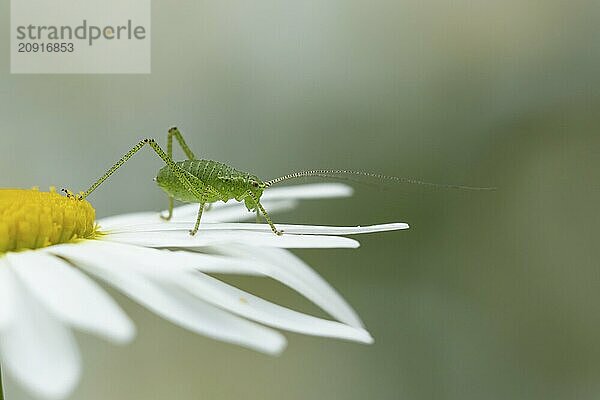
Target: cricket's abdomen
(214,180)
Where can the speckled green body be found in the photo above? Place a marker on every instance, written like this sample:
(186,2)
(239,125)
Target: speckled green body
(214,180)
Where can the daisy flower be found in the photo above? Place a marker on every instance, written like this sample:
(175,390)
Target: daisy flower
(52,250)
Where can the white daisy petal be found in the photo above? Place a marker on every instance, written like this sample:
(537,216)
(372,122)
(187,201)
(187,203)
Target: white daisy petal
(173,305)
(274,199)
(188,260)
(38,351)
(128,219)
(288,229)
(7,295)
(211,263)
(201,317)
(213,238)
(196,261)
(247,305)
(122,254)
(278,264)
(238,212)
(160,266)
(295,192)
(231,211)
(308,191)
(72,296)
(290,270)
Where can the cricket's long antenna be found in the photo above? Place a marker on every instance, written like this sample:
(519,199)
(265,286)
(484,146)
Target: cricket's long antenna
(331,173)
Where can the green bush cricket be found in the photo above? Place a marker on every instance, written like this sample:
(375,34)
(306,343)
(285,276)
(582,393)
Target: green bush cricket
(207,181)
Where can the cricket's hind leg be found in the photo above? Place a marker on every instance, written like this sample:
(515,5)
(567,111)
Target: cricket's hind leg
(188,153)
(175,132)
(265,214)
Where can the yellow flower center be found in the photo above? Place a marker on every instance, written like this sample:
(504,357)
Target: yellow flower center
(30,219)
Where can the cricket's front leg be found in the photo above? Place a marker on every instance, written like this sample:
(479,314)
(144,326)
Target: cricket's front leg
(265,214)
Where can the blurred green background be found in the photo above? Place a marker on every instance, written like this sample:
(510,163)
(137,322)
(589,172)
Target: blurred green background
(487,296)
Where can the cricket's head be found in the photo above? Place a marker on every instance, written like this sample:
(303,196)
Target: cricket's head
(162,177)
(256,186)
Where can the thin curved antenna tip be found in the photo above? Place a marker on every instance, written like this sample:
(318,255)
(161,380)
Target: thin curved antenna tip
(330,173)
